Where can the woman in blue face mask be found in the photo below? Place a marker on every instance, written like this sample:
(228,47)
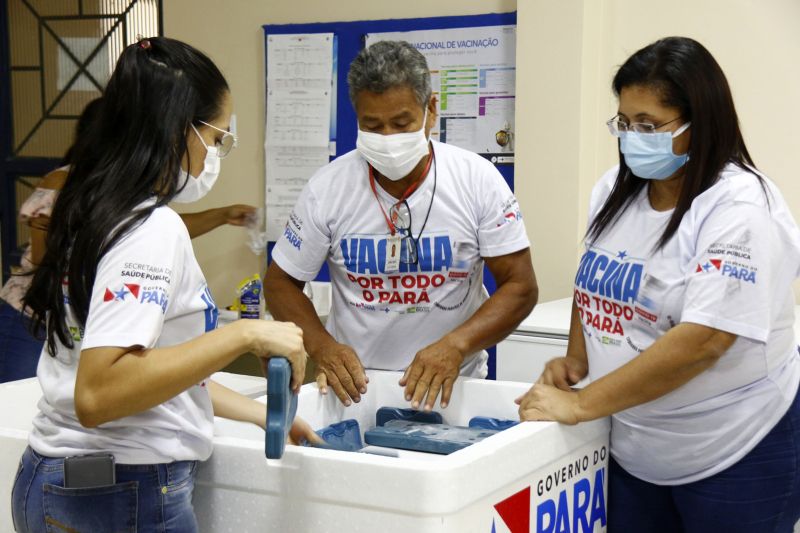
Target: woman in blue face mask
(683,313)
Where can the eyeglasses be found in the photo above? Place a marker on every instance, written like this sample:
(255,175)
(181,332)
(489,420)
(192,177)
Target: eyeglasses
(224,146)
(400,215)
(617,126)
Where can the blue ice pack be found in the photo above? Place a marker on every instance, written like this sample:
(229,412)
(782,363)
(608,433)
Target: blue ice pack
(485,422)
(421,437)
(385,414)
(281,406)
(344,436)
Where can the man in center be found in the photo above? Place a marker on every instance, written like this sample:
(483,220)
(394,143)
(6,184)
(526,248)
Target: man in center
(405,224)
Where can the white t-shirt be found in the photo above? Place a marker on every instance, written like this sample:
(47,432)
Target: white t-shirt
(387,317)
(149,291)
(730,266)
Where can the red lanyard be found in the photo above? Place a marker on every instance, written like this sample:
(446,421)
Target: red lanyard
(413,187)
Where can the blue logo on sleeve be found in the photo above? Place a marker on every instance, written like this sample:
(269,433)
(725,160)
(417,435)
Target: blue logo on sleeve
(211,312)
(293,238)
(156,295)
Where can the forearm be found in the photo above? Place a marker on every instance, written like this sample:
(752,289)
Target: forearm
(203,222)
(673,360)
(38,245)
(496,318)
(234,406)
(576,345)
(287,303)
(137,380)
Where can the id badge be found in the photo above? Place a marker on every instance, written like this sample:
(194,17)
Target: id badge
(392,254)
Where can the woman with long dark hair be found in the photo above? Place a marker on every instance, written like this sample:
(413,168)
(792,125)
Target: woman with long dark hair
(129,319)
(683,313)
(19,348)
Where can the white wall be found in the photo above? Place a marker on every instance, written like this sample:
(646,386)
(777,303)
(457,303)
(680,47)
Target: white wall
(573,48)
(230,33)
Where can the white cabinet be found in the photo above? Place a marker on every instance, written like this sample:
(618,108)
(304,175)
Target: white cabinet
(539,338)
(521,357)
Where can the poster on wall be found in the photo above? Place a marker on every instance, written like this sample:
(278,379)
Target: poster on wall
(473,75)
(300,92)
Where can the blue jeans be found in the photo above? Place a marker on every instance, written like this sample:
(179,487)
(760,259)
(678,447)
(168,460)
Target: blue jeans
(146,498)
(759,494)
(19,349)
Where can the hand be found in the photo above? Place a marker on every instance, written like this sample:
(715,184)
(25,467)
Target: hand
(267,338)
(545,402)
(433,369)
(40,222)
(237,214)
(339,366)
(301,431)
(563,372)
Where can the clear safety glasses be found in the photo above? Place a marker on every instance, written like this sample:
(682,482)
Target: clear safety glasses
(228,142)
(617,125)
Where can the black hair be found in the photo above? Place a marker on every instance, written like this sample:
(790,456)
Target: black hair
(131,153)
(388,64)
(88,116)
(685,76)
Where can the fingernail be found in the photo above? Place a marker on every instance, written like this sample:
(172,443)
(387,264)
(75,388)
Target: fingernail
(363,390)
(357,399)
(415,405)
(408,397)
(347,403)
(444,404)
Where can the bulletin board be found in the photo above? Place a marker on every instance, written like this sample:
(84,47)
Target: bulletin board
(350,38)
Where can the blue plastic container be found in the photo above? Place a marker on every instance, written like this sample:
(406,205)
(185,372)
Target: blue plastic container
(485,422)
(421,437)
(343,436)
(386,414)
(281,406)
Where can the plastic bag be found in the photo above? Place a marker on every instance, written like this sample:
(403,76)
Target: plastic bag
(256,231)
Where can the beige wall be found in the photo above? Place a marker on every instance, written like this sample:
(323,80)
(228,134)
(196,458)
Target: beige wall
(230,32)
(573,48)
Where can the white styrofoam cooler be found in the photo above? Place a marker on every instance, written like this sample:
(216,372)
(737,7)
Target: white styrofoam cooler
(528,478)
(537,476)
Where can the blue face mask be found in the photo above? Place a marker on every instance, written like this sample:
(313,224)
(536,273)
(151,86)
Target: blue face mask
(649,155)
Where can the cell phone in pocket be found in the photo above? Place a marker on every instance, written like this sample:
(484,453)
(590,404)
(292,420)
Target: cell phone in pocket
(86,471)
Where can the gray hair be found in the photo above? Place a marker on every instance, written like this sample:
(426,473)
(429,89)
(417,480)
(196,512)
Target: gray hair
(388,64)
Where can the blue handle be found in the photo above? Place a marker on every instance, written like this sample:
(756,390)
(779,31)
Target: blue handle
(281,406)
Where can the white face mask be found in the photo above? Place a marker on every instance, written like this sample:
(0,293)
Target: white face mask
(197,187)
(395,155)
